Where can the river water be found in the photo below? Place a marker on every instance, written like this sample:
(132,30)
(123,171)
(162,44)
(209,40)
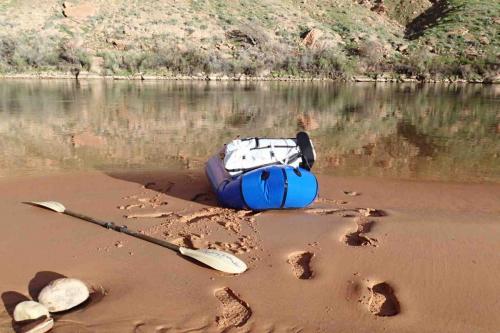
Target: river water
(405,131)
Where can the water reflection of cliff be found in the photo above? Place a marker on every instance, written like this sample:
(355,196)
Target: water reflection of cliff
(385,130)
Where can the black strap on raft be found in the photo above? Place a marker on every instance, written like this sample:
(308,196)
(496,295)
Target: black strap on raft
(306,149)
(277,146)
(285,190)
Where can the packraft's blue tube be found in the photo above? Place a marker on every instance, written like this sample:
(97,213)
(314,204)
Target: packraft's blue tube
(271,187)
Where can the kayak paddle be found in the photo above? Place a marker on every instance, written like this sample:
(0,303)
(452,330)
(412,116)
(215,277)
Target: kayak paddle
(218,260)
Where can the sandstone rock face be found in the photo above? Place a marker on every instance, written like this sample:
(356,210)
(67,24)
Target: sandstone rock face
(63,294)
(79,11)
(28,310)
(379,8)
(402,47)
(312,37)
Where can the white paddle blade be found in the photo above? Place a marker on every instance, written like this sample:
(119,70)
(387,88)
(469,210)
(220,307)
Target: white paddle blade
(52,205)
(219,260)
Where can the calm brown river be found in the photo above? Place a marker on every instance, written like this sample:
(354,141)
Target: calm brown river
(430,132)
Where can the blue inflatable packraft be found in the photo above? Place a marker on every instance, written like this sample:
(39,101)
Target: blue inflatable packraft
(267,187)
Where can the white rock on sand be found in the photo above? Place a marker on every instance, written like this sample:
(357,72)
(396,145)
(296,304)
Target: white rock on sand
(29,310)
(63,294)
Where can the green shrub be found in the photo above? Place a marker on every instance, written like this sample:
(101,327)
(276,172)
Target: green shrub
(7,50)
(72,56)
(34,53)
(132,61)
(110,61)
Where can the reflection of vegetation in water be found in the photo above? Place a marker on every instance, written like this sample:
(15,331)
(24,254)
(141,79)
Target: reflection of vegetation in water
(428,132)
(388,130)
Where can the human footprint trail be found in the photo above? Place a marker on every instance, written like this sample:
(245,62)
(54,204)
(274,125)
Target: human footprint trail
(211,227)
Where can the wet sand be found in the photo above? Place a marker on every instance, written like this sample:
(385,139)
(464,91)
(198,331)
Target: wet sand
(400,256)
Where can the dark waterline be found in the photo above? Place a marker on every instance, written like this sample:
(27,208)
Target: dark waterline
(432,132)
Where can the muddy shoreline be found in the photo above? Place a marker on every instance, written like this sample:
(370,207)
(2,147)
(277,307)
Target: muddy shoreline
(379,78)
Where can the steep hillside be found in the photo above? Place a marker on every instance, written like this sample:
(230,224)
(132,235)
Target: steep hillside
(308,38)
(458,37)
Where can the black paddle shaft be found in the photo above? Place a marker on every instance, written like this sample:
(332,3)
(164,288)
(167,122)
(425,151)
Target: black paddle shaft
(123,229)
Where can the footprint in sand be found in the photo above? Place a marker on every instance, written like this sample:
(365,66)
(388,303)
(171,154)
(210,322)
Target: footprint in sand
(377,298)
(371,212)
(383,301)
(380,300)
(301,264)
(235,312)
(191,241)
(358,237)
(144,198)
(210,227)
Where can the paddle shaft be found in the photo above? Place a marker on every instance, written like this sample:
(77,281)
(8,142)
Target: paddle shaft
(123,229)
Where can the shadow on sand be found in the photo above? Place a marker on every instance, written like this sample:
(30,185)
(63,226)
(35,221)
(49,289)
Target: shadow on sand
(185,185)
(40,280)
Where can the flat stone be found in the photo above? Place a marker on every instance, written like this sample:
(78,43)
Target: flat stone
(63,294)
(28,310)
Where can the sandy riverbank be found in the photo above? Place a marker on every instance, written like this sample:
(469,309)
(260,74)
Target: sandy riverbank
(426,260)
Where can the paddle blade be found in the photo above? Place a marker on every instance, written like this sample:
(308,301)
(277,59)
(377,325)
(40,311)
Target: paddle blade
(52,205)
(219,260)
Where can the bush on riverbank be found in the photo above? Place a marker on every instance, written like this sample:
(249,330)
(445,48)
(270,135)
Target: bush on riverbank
(324,63)
(32,54)
(424,65)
